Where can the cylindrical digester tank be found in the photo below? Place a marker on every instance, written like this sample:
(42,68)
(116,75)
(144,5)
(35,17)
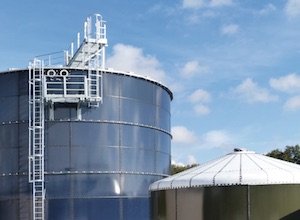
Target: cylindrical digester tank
(241,185)
(98,165)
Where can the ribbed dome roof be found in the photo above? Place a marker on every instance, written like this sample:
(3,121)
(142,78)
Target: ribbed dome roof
(241,167)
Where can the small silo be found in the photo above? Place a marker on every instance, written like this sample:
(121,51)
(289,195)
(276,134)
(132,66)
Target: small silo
(81,141)
(241,185)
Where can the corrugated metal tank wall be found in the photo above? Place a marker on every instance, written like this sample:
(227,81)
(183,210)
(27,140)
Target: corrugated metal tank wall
(99,167)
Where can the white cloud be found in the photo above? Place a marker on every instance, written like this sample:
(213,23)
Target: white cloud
(176,87)
(292,8)
(183,135)
(192,3)
(191,160)
(191,68)
(289,83)
(188,153)
(250,92)
(229,29)
(292,104)
(196,4)
(130,58)
(216,138)
(209,14)
(201,109)
(197,96)
(193,18)
(155,8)
(180,164)
(267,9)
(217,3)
(200,95)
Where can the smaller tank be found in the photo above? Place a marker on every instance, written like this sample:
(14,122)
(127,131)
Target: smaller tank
(241,185)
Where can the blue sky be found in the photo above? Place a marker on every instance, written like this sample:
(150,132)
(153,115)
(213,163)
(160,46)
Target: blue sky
(233,65)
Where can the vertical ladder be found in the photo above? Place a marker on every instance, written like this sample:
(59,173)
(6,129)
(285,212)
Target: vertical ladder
(36,139)
(93,87)
(95,59)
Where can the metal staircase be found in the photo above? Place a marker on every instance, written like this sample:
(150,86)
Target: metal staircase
(90,54)
(36,138)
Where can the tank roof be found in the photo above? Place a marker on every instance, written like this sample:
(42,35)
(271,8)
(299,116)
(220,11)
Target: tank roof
(241,167)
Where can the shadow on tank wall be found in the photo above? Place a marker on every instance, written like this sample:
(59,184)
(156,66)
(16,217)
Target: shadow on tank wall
(293,216)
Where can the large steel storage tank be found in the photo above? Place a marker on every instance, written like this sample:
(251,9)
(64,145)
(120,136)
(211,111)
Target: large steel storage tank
(96,167)
(99,158)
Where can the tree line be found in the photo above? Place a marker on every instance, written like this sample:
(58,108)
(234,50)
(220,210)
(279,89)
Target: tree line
(290,154)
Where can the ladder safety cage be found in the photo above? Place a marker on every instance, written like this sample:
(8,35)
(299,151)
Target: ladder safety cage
(36,173)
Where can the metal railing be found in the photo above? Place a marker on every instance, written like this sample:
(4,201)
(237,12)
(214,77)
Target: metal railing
(65,86)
